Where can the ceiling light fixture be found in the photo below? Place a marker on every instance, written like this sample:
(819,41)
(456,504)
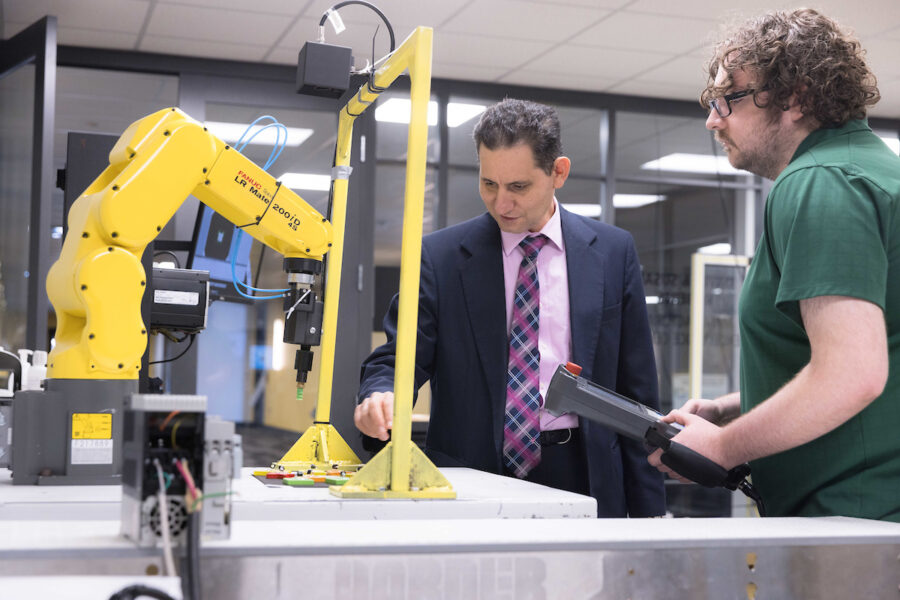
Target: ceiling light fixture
(306,181)
(635,200)
(232,132)
(619,201)
(396,110)
(721,248)
(585,210)
(693,163)
(892,142)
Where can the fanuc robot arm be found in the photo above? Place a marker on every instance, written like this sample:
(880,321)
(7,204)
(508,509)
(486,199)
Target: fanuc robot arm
(97,284)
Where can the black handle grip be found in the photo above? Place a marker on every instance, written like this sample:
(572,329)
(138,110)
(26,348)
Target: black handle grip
(694,466)
(690,464)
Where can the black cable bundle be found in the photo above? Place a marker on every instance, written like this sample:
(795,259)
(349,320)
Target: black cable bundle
(190,565)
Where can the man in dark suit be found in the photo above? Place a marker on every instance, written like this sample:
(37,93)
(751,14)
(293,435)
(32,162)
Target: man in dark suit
(591,311)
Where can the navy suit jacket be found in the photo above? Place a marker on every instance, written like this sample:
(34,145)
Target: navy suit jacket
(462,348)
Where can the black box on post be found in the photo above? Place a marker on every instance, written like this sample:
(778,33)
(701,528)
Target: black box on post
(324,70)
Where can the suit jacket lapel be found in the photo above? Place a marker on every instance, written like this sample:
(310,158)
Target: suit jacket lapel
(483,289)
(586,271)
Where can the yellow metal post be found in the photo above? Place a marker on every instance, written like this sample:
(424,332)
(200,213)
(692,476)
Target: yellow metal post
(321,445)
(410,261)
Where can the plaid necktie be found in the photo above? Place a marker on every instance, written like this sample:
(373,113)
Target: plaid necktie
(521,427)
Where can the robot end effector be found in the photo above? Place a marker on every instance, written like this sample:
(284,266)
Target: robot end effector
(303,313)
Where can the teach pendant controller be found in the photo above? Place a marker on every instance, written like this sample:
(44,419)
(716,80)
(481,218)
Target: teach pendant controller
(570,393)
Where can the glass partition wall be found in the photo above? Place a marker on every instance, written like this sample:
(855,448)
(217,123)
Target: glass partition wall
(678,195)
(646,165)
(16,141)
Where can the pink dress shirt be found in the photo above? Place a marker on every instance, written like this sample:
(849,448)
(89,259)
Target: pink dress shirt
(554,331)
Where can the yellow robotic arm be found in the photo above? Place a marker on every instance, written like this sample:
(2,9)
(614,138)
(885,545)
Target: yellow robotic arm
(97,284)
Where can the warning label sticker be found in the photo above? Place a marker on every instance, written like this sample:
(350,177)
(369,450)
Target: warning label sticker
(91,426)
(92,452)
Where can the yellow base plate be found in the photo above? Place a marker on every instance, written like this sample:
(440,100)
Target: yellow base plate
(295,465)
(374,480)
(427,494)
(320,447)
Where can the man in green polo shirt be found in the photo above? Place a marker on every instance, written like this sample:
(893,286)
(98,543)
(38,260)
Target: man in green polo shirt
(818,414)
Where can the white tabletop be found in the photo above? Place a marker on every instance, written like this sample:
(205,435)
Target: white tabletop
(97,539)
(85,587)
(479,496)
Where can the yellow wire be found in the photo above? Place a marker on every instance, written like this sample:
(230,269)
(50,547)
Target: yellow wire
(174,429)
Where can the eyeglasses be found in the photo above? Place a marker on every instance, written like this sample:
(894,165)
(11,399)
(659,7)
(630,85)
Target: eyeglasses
(722,104)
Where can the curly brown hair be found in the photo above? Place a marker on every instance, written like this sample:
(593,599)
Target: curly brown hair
(800,52)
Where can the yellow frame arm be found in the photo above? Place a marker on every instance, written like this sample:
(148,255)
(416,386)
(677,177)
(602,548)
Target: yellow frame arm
(400,470)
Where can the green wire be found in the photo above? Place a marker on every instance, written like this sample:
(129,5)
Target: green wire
(204,496)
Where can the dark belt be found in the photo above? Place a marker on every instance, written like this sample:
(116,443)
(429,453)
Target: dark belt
(553,437)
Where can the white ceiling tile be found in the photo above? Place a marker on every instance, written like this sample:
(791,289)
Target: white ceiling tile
(467,71)
(570,81)
(204,48)
(878,15)
(633,50)
(881,56)
(430,13)
(611,4)
(283,56)
(656,89)
(523,20)
(115,15)
(96,38)
(862,18)
(700,9)
(687,71)
(605,62)
(647,32)
(222,26)
(278,7)
(473,49)
(703,52)
(305,29)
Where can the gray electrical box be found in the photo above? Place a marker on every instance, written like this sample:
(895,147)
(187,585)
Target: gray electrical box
(163,434)
(170,436)
(218,467)
(5,430)
(70,433)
